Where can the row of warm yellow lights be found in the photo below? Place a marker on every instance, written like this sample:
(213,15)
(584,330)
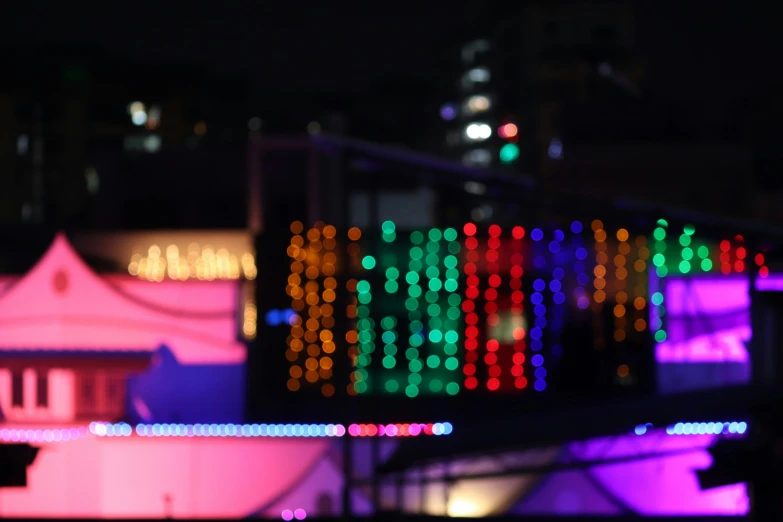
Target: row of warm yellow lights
(204,264)
(250,320)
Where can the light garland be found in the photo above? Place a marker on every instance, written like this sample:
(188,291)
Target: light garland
(698,428)
(205,264)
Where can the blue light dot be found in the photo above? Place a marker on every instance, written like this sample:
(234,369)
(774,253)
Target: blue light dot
(540,373)
(540,322)
(641,429)
(539,310)
(581,254)
(540,385)
(536,298)
(537,360)
(555,285)
(582,279)
(537,234)
(536,345)
(554,247)
(558,273)
(576,227)
(559,298)
(559,235)
(539,285)
(539,262)
(535,333)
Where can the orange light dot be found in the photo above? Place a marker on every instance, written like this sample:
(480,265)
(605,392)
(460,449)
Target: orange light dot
(599,283)
(352,337)
(619,335)
(600,236)
(623,370)
(330,283)
(328,347)
(312,324)
(310,336)
(639,303)
(325,374)
(640,325)
(297,267)
(329,231)
(314,312)
(291,355)
(297,227)
(354,234)
(326,309)
(327,390)
(326,363)
(293,384)
(326,335)
(296,345)
(597,225)
(311,376)
(619,311)
(311,364)
(599,296)
(622,234)
(327,321)
(295,371)
(599,271)
(313,234)
(297,241)
(313,350)
(639,265)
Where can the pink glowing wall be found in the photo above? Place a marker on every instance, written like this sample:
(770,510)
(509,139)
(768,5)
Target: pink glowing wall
(62,304)
(130,477)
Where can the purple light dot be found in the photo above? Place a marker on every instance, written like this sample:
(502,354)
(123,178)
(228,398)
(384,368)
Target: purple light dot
(448,111)
(300,514)
(582,302)
(287,514)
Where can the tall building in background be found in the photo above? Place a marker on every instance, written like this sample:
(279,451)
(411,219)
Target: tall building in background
(521,70)
(64,110)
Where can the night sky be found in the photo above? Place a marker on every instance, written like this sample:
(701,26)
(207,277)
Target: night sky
(700,51)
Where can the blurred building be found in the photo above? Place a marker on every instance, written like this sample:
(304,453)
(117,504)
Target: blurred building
(519,68)
(64,109)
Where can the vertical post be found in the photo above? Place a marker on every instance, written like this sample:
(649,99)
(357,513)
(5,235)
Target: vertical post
(347,476)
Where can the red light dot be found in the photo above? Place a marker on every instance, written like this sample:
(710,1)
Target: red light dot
(471,319)
(469,369)
(471,243)
(493,320)
(491,294)
(490,359)
(470,268)
(471,256)
(725,257)
(518,334)
(472,280)
(763,272)
(725,245)
(518,232)
(470,344)
(468,306)
(517,371)
(472,292)
(469,229)
(517,297)
(739,237)
(494,280)
(739,266)
(520,383)
(372,430)
(759,259)
(493,345)
(471,383)
(494,230)
(741,253)
(491,255)
(515,284)
(493,384)
(471,331)
(471,357)
(725,268)
(518,358)
(491,307)
(494,370)
(516,271)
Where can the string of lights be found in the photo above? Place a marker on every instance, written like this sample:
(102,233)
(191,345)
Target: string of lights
(469,306)
(518,310)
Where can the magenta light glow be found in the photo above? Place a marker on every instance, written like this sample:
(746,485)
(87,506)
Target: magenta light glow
(722,346)
(400,430)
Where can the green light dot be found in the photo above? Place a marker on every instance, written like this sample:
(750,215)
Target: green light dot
(390,349)
(436,385)
(435,234)
(363,324)
(389,362)
(706,265)
(363,360)
(368,262)
(689,229)
(414,291)
(432,247)
(662,222)
(703,252)
(416,340)
(454,247)
(433,361)
(388,337)
(659,234)
(392,273)
(449,234)
(432,271)
(416,253)
(451,285)
(435,323)
(392,386)
(411,354)
(687,253)
(659,260)
(660,336)
(660,246)
(450,349)
(365,298)
(450,261)
(685,267)
(451,336)
(388,227)
(452,273)
(388,322)
(363,287)
(389,237)
(415,366)
(432,260)
(411,304)
(436,336)
(435,285)
(685,240)
(391,287)
(452,388)
(414,315)
(412,278)
(417,237)
(662,271)
(415,265)
(363,311)
(360,387)
(431,296)
(454,300)
(411,391)
(433,310)
(414,379)
(657,298)
(452,363)
(416,326)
